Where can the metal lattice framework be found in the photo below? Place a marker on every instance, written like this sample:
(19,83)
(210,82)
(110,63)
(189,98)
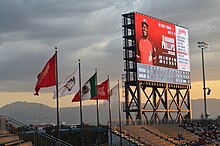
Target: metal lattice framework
(149,101)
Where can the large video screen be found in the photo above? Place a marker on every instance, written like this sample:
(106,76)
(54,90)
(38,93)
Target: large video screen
(162,51)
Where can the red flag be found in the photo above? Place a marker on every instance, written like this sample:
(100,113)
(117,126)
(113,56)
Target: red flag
(47,76)
(102,91)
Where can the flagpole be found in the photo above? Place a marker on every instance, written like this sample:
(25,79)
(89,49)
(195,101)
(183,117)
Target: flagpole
(109,109)
(58,119)
(41,113)
(97,109)
(81,115)
(119,113)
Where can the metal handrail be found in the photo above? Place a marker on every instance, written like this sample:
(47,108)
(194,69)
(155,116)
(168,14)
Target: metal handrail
(2,122)
(44,135)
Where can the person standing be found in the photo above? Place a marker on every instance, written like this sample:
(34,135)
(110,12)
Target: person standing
(146,53)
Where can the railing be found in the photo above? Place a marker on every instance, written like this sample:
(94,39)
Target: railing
(142,122)
(27,133)
(2,122)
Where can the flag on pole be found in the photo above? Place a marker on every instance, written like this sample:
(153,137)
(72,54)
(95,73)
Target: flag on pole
(46,77)
(114,93)
(102,91)
(88,90)
(70,85)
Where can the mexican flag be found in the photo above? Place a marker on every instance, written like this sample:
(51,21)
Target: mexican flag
(88,90)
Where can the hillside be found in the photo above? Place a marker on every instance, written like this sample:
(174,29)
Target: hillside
(31,112)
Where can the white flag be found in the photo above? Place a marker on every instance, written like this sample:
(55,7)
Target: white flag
(70,85)
(114,94)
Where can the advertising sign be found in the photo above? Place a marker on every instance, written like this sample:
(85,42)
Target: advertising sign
(162,51)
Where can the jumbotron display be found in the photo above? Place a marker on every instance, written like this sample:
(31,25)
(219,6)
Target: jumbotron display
(162,51)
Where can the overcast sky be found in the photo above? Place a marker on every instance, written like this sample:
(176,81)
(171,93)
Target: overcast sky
(91,30)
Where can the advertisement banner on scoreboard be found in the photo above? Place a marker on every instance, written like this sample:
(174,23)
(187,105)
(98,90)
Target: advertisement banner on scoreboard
(164,46)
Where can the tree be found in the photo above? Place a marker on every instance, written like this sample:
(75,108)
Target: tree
(218,118)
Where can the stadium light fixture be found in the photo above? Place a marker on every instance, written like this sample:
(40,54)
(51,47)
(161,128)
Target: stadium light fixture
(209,91)
(204,46)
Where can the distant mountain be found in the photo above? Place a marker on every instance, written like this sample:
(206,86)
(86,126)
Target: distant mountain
(212,107)
(28,112)
(32,113)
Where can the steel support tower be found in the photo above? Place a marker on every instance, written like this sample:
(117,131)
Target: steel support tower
(145,100)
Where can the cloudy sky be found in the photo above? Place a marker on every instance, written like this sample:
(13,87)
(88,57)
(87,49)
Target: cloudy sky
(92,32)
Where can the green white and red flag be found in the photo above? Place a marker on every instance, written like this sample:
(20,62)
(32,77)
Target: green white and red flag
(88,90)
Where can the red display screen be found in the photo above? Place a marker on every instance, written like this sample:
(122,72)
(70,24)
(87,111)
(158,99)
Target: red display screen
(161,44)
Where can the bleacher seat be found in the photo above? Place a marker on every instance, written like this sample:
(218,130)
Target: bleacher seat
(8,139)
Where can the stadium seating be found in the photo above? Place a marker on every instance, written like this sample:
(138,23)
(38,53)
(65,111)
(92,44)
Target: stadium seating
(157,134)
(7,139)
(171,133)
(136,134)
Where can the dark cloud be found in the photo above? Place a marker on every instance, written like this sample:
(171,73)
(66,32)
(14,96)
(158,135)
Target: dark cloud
(92,32)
